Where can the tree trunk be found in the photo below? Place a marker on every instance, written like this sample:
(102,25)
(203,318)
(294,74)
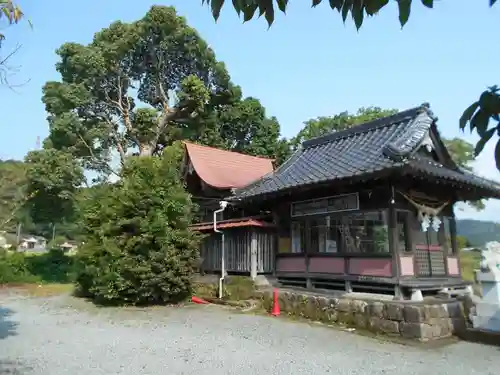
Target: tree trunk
(146,150)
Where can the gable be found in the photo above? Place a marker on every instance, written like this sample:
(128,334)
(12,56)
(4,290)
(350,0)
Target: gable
(433,147)
(221,169)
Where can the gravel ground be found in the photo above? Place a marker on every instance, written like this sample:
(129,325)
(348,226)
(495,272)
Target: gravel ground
(60,335)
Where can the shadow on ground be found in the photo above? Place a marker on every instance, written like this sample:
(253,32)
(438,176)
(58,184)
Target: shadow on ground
(13,368)
(7,326)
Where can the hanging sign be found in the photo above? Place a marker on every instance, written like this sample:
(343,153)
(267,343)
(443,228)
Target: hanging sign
(337,203)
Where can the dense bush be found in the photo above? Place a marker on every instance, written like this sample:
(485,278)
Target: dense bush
(138,246)
(51,267)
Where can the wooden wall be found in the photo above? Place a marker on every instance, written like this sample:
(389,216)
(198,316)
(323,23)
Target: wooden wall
(238,250)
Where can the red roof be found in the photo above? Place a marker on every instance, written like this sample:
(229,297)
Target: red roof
(222,169)
(232,223)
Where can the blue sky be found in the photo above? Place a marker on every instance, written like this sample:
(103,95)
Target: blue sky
(307,64)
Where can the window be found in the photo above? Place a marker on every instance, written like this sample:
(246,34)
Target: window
(354,233)
(298,237)
(403,227)
(365,232)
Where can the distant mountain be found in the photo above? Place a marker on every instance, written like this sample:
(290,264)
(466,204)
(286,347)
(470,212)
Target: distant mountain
(478,232)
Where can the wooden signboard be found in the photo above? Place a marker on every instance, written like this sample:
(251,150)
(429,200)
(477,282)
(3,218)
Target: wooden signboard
(337,203)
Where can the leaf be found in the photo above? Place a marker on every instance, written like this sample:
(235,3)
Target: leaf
(497,154)
(466,116)
(404,11)
(429,3)
(346,8)
(480,122)
(484,139)
(216,7)
(270,13)
(282,5)
(249,11)
(237,5)
(489,101)
(492,2)
(357,14)
(336,4)
(7,14)
(316,3)
(373,6)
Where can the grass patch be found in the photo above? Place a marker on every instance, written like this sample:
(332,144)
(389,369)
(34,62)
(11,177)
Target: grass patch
(236,288)
(40,290)
(469,261)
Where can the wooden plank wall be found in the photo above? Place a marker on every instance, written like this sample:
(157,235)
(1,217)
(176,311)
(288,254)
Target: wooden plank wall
(238,244)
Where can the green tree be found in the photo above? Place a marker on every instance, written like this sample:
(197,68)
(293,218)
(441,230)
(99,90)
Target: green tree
(462,242)
(53,180)
(328,124)
(125,89)
(478,116)
(141,86)
(13,193)
(139,248)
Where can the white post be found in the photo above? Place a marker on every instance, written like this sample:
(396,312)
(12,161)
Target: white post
(253,256)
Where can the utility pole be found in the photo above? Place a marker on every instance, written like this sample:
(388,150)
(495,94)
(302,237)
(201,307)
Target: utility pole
(18,235)
(53,232)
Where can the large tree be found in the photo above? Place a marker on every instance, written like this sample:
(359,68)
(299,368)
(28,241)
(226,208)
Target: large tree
(140,86)
(461,151)
(135,89)
(478,116)
(125,89)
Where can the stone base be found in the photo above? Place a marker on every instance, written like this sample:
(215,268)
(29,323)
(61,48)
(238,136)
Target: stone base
(412,320)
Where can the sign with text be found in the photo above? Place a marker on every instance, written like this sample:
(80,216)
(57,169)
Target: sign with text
(338,203)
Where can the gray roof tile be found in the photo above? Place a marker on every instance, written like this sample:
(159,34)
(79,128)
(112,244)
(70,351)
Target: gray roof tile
(383,144)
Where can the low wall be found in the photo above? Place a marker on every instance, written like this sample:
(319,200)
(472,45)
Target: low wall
(418,321)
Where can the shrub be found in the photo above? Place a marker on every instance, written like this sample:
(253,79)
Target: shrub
(20,268)
(14,269)
(51,267)
(138,246)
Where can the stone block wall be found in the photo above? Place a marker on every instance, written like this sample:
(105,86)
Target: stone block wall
(418,321)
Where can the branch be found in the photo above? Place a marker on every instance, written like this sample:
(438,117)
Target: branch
(16,209)
(123,108)
(4,69)
(92,155)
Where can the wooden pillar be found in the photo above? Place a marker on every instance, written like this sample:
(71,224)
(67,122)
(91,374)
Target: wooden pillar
(253,255)
(393,241)
(394,245)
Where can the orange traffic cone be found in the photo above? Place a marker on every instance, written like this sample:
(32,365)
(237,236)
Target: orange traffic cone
(198,301)
(276,305)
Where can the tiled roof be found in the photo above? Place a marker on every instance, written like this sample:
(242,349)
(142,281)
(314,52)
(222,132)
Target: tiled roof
(222,169)
(381,145)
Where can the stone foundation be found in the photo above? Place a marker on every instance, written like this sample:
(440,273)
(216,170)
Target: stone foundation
(423,321)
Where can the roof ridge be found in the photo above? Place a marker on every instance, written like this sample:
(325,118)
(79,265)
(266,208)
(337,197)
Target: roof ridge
(411,137)
(286,164)
(367,126)
(231,152)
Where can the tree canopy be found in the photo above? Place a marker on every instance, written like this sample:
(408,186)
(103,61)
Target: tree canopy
(139,86)
(482,116)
